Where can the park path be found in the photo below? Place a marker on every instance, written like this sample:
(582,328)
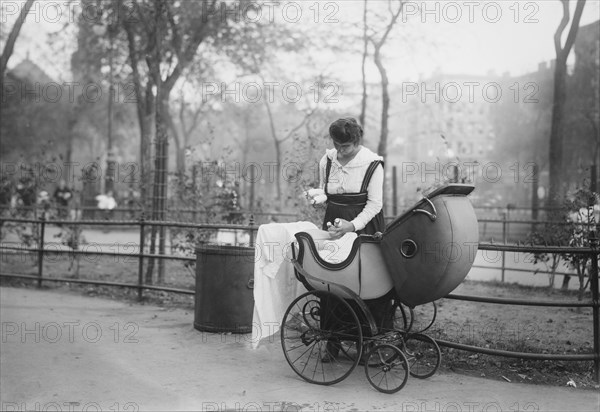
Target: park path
(64,351)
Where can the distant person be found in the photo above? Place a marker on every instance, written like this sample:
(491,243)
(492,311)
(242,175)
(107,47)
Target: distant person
(107,203)
(26,192)
(43,201)
(132,202)
(5,192)
(62,197)
(24,199)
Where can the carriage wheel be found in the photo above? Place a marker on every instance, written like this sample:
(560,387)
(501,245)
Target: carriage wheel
(423,354)
(386,368)
(423,317)
(321,337)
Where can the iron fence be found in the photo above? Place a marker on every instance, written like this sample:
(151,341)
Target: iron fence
(594,304)
(144,225)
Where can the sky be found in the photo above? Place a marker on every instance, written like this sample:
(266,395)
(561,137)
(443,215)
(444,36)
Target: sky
(471,37)
(520,39)
(476,37)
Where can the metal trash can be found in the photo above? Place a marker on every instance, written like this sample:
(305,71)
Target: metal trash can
(224,300)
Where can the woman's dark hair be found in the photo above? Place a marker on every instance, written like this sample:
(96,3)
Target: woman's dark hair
(346,130)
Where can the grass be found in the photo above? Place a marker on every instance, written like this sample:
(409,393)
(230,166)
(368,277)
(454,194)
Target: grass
(531,329)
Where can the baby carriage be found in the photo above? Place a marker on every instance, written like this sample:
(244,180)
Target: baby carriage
(422,256)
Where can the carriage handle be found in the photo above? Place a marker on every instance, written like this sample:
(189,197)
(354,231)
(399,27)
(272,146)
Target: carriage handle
(432,216)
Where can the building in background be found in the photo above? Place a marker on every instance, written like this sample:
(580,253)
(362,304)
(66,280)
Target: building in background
(442,131)
(496,128)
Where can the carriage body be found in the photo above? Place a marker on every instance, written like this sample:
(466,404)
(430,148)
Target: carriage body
(423,255)
(363,272)
(429,250)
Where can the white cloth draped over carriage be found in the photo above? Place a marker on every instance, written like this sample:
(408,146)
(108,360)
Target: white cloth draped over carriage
(275,284)
(424,254)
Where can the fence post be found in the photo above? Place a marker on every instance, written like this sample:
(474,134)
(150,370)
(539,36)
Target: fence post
(596,304)
(141,259)
(535,200)
(251,230)
(41,249)
(504,239)
(394,191)
(593,236)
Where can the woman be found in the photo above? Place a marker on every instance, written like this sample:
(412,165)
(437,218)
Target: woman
(352,177)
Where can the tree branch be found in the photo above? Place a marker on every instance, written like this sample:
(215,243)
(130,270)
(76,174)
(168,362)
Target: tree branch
(299,126)
(391,24)
(574,27)
(561,27)
(12,38)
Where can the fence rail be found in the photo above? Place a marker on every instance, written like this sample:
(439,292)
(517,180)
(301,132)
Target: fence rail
(251,228)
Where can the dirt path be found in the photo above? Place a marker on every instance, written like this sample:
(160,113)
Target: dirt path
(64,351)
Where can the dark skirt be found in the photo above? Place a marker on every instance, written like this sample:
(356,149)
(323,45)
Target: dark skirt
(347,207)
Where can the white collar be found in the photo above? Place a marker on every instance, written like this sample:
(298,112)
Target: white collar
(363,157)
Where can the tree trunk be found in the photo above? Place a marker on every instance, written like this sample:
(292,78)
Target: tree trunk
(159,194)
(179,147)
(363,103)
(12,38)
(556,188)
(162,139)
(385,97)
(277,154)
(145,113)
(248,181)
(565,282)
(278,175)
(581,276)
(146,122)
(162,154)
(385,108)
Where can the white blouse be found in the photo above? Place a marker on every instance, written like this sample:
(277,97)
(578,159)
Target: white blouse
(349,178)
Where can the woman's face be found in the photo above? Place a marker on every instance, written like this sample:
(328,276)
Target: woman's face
(346,150)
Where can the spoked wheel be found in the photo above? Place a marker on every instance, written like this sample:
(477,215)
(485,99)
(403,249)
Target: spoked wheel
(321,337)
(423,354)
(386,368)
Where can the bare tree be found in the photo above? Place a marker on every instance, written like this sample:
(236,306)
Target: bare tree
(378,43)
(144,99)
(170,34)
(378,38)
(12,37)
(363,103)
(278,141)
(555,189)
(189,117)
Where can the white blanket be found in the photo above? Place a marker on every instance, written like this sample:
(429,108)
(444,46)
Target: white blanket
(332,250)
(275,285)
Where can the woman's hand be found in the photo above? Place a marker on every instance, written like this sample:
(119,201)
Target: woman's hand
(339,228)
(315,196)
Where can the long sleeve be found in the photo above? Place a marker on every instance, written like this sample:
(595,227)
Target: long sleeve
(322,169)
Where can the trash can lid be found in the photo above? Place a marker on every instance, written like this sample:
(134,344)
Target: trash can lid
(218,249)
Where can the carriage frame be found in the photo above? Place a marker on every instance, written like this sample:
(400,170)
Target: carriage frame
(333,313)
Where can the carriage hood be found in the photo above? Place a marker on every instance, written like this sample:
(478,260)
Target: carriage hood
(363,158)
